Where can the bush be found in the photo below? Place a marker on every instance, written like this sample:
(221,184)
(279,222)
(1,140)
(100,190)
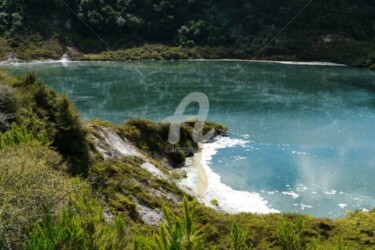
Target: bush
(238,238)
(153,138)
(8,107)
(18,135)
(80,226)
(176,233)
(30,184)
(34,47)
(292,236)
(42,109)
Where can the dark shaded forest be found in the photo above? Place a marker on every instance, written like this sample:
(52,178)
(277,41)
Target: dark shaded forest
(240,23)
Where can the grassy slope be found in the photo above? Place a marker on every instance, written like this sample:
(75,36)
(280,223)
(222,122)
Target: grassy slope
(118,185)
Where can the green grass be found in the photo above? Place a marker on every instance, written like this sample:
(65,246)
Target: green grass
(81,225)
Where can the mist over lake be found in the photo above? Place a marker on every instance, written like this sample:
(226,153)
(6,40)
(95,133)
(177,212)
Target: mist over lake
(307,132)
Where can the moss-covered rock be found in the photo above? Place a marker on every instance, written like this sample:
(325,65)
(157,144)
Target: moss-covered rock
(153,137)
(124,184)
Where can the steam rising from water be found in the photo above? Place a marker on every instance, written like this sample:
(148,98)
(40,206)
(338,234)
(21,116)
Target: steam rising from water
(309,130)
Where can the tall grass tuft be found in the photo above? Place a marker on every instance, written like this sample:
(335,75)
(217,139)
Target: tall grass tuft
(17,135)
(291,236)
(238,238)
(80,226)
(176,233)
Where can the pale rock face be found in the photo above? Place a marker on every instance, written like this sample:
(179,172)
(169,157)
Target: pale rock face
(113,146)
(150,216)
(153,170)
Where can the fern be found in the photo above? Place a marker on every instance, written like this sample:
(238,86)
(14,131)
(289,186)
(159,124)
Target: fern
(292,237)
(238,238)
(17,135)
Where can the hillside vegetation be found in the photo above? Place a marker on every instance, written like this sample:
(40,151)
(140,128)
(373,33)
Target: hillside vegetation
(63,185)
(338,31)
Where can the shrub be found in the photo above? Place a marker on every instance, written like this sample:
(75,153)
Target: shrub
(29,184)
(8,107)
(18,135)
(42,109)
(292,236)
(80,226)
(33,47)
(176,233)
(153,138)
(238,238)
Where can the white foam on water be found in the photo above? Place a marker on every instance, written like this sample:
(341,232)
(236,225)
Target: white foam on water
(271,61)
(292,194)
(64,60)
(310,63)
(299,153)
(229,200)
(304,206)
(342,205)
(331,192)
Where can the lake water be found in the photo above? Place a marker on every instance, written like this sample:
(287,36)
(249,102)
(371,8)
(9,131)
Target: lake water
(306,133)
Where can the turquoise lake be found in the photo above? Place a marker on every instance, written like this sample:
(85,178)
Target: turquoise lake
(310,130)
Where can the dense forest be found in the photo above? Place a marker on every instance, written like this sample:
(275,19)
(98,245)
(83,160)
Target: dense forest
(309,29)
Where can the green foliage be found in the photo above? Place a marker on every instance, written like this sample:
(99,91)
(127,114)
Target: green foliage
(80,226)
(95,26)
(177,233)
(43,110)
(17,135)
(8,107)
(122,182)
(36,48)
(292,236)
(5,49)
(31,181)
(178,174)
(191,34)
(238,238)
(163,52)
(153,138)
(215,203)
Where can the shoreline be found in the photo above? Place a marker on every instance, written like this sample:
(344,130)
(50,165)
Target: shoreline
(202,185)
(207,187)
(65,61)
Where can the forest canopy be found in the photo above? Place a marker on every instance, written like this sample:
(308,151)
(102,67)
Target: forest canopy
(187,22)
